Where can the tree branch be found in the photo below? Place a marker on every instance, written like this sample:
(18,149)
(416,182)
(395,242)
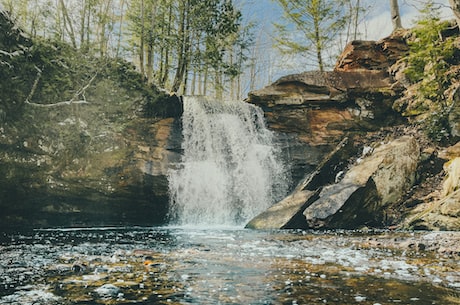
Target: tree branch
(73,100)
(34,86)
(70,102)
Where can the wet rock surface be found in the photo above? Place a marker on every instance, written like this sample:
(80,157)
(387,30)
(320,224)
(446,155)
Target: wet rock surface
(176,266)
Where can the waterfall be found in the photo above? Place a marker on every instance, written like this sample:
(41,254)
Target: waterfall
(230,169)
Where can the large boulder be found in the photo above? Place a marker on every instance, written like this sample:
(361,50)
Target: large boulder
(373,55)
(334,197)
(360,198)
(284,214)
(287,213)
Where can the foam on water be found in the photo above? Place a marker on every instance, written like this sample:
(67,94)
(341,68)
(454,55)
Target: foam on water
(230,169)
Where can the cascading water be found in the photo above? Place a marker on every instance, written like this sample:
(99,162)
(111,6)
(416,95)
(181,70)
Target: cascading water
(230,169)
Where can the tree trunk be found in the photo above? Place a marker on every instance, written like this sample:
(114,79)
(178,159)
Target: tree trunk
(151,44)
(455,5)
(82,24)
(165,75)
(356,20)
(141,43)
(395,16)
(184,47)
(68,24)
(318,44)
(120,30)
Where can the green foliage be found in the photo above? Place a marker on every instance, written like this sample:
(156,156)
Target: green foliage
(16,69)
(430,58)
(429,55)
(60,68)
(44,71)
(174,39)
(312,27)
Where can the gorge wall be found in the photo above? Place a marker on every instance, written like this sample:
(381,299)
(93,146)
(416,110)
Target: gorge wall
(373,166)
(99,157)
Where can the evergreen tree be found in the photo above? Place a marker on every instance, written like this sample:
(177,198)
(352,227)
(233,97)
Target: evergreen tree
(310,27)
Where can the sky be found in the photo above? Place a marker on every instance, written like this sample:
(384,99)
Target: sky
(377,25)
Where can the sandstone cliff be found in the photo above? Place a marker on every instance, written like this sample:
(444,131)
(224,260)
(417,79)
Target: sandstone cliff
(388,168)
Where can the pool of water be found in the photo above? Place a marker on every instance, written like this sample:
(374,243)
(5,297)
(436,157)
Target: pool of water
(133,265)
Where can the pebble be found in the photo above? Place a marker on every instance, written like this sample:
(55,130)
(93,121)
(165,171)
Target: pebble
(108,291)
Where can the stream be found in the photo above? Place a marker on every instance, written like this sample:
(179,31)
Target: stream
(168,265)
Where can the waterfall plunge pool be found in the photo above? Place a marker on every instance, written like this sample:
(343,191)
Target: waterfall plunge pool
(134,265)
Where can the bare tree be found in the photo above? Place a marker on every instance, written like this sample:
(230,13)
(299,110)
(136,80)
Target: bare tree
(395,16)
(455,5)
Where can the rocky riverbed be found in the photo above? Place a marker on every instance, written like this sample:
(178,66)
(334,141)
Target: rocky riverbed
(228,266)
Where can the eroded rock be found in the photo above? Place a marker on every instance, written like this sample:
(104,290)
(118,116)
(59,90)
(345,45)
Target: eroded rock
(288,212)
(442,211)
(367,188)
(373,55)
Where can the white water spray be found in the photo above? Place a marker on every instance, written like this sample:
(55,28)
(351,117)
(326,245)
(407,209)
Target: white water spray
(230,169)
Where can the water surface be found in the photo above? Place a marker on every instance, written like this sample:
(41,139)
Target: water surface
(134,265)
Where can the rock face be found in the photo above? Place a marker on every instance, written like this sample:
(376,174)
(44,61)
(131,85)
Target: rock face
(86,165)
(320,107)
(86,169)
(358,199)
(442,211)
(101,160)
(373,55)
(314,111)
(400,178)
(367,188)
(83,168)
(358,97)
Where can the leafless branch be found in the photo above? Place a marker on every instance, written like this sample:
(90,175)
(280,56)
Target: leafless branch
(72,101)
(34,86)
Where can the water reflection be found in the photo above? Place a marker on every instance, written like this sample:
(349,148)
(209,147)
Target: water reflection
(192,266)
